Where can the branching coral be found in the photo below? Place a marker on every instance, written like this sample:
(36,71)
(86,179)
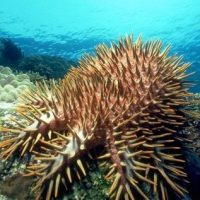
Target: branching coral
(127,100)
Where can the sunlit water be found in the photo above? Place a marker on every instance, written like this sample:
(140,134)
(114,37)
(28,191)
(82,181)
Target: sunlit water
(70,28)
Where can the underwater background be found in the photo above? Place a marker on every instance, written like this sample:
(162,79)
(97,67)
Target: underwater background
(41,39)
(71,28)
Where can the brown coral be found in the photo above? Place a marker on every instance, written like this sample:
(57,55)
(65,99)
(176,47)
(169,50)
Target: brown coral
(127,99)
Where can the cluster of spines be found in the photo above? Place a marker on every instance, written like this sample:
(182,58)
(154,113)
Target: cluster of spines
(166,120)
(146,158)
(38,110)
(63,160)
(134,118)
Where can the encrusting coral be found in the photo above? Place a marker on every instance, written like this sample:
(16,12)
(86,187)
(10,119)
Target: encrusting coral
(126,101)
(11,85)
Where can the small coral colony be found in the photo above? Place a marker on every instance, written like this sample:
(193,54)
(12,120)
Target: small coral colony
(129,100)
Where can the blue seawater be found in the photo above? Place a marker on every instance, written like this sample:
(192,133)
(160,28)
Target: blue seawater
(69,28)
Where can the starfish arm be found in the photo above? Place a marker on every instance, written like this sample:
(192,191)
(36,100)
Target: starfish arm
(59,170)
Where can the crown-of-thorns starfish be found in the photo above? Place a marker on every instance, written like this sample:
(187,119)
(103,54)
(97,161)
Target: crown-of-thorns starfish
(127,99)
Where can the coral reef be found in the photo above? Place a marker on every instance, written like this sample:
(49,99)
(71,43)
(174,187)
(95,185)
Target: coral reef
(48,66)
(10,53)
(10,186)
(93,186)
(36,77)
(122,107)
(192,130)
(11,84)
(193,109)
(40,65)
